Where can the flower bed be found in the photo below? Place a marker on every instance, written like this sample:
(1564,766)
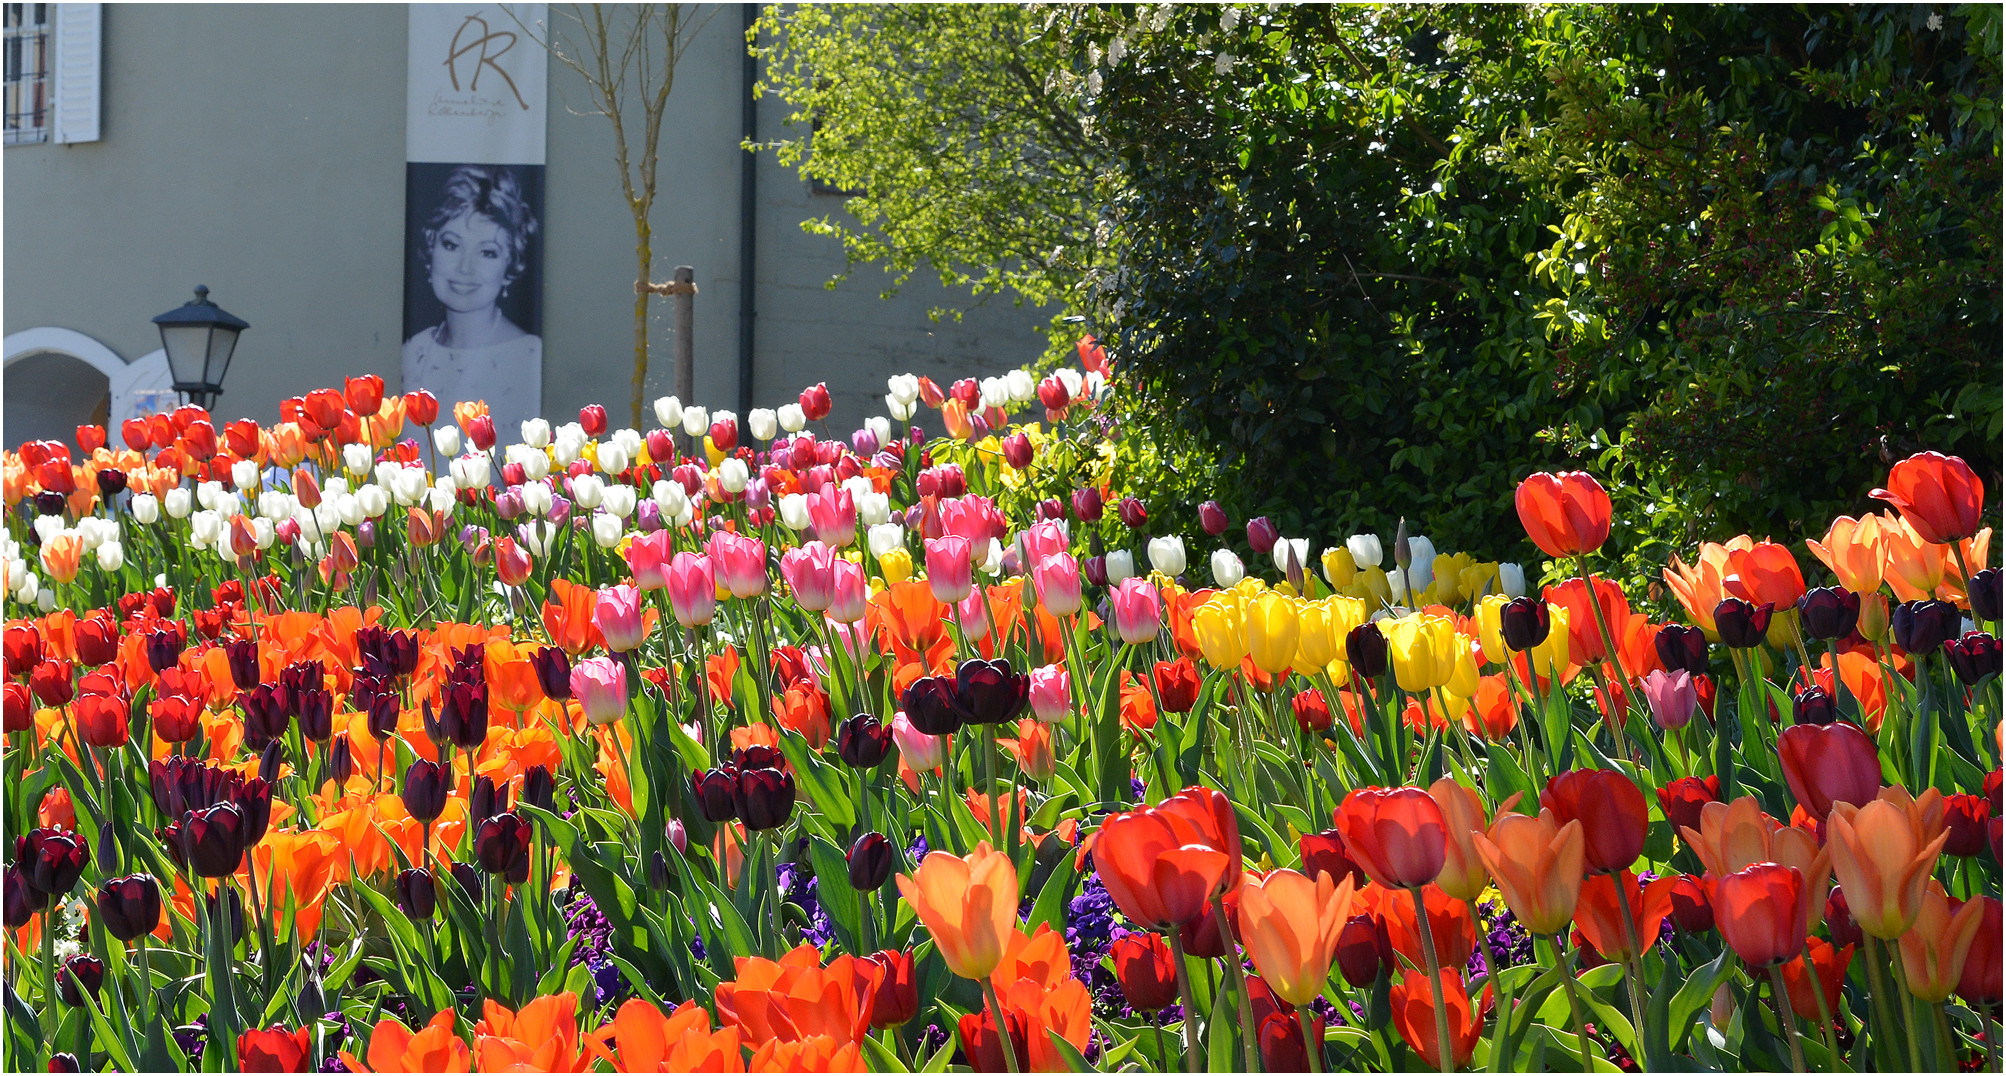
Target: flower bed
(731,745)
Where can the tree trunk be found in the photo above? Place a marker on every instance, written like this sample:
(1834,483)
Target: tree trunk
(644,251)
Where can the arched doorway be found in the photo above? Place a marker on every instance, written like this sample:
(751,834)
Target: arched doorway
(59,379)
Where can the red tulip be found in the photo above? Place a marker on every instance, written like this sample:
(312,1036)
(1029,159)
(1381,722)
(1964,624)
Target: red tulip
(274,1050)
(1828,764)
(1564,514)
(1980,982)
(1397,835)
(1156,878)
(1684,798)
(1759,913)
(1414,1017)
(1938,495)
(1610,808)
(1144,966)
(1830,962)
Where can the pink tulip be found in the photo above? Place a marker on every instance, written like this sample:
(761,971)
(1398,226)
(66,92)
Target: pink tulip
(648,555)
(833,514)
(1138,611)
(973,614)
(849,594)
(740,563)
(810,574)
(948,570)
(974,518)
(1672,696)
(1051,692)
(617,615)
(692,589)
(920,751)
(600,686)
(1043,540)
(1057,578)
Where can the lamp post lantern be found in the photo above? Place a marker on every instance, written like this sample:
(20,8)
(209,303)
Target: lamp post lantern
(199,337)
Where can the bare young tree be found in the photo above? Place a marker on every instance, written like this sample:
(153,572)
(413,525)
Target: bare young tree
(627,55)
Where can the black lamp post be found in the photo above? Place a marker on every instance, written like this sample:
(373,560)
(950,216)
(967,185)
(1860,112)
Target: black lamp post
(199,337)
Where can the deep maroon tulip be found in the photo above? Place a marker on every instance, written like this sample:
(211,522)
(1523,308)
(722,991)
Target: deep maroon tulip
(758,757)
(1965,815)
(539,788)
(1995,790)
(49,503)
(988,692)
(463,714)
(1839,921)
(1364,949)
(1684,799)
(1973,656)
(1610,808)
(1144,967)
(1681,647)
(1282,1048)
(129,906)
(1920,627)
(227,905)
(470,881)
(486,800)
(1087,504)
(383,713)
(52,860)
(1323,853)
(265,715)
(764,798)
(501,844)
(1692,905)
(929,703)
(316,714)
(340,760)
(1262,534)
(553,671)
(1829,612)
(212,840)
(895,995)
(111,482)
(1365,648)
(254,801)
(1132,514)
(64,1062)
(863,741)
(1982,982)
(1213,518)
(871,859)
(22,900)
(243,659)
(1524,623)
(81,974)
(163,648)
(1985,594)
(1813,706)
(716,792)
(1740,624)
(426,785)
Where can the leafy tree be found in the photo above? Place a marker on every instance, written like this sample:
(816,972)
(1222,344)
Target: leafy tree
(953,126)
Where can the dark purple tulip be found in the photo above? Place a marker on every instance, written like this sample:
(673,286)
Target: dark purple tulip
(1524,623)
(417,895)
(486,800)
(1973,656)
(66,1062)
(1829,612)
(1741,625)
(470,880)
(212,840)
(764,798)
(341,760)
(81,974)
(1681,647)
(163,648)
(1985,594)
(316,714)
(1213,518)
(243,659)
(871,860)
(929,703)
(502,844)
(1095,569)
(988,692)
(22,900)
(1365,648)
(382,715)
(265,716)
(539,788)
(52,860)
(1921,627)
(426,785)
(863,741)
(553,671)
(463,714)
(111,482)
(716,792)
(228,905)
(129,906)
(254,800)
(1262,534)
(1813,706)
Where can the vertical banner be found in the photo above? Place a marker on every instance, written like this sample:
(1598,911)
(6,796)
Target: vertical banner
(473,207)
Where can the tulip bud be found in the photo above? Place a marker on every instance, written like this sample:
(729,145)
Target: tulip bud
(340,760)
(1984,592)
(1087,504)
(129,906)
(539,788)
(1213,518)
(1262,534)
(1813,706)
(1524,623)
(1973,656)
(1366,649)
(714,791)
(81,974)
(1920,627)
(416,894)
(501,846)
(1132,514)
(1829,612)
(863,741)
(1681,647)
(426,785)
(871,859)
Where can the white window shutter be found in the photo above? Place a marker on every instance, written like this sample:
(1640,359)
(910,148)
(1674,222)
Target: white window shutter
(78,67)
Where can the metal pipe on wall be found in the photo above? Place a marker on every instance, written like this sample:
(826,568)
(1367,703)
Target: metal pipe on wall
(748,219)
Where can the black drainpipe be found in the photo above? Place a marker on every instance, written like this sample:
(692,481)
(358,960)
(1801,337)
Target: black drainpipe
(748,217)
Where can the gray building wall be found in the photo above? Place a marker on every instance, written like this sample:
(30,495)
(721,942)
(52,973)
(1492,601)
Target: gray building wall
(259,149)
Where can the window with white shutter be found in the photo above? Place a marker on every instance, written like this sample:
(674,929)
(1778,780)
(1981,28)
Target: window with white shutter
(77,56)
(26,48)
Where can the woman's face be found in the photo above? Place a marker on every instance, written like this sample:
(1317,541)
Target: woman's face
(470,259)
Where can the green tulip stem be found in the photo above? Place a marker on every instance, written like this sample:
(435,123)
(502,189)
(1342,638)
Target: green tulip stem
(1615,658)
(1779,994)
(773,879)
(1190,1002)
(1904,998)
(1824,1010)
(1002,1028)
(1568,986)
(1632,966)
(1312,1047)
(1251,1034)
(147,1009)
(49,971)
(1877,995)
(1443,1047)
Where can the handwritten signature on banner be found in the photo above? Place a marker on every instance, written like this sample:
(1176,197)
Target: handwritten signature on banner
(482,51)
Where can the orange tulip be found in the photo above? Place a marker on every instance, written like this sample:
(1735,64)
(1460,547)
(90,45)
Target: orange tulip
(1701,586)
(1463,875)
(1564,514)
(1584,636)
(1828,962)
(969,905)
(1757,912)
(1764,572)
(1853,550)
(1913,565)
(569,618)
(1599,912)
(63,557)
(393,1048)
(1938,495)
(1155,876)
(300,867)
(540,1037)
(641,1039)
(1734,836)
(1882,863)
(1414,1017)
(1032,748)
(1538,866)
(1035,984)
(823,1053)
(795,998)
(1290,926)
(1450,924)
(1398,836)
(1935,949)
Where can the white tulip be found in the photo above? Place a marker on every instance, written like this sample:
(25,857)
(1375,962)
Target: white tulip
(46,601)
(1421,563)
(244,474)
(620,499)
(607,530)
(671,496)
(791,417)
(1366,551)
(696,421)
(995,391)
(682,516)
(587,490)
(1511,580)
(29,590)
(565,448)
(408,484)
(1071,379)
(536,433)
(441,498)
(17,570)
(1166,555)
(145,508)
(903,387)
(207,494)
(732,475)
(277,504)
(873,508)
(204,528)
(537,535)
(373,501)
(472,471)
(111,556)
(1023,387)
(333,485)
(349,508)
(89,533)
(1299,546)
(885,537)
(47,527)
(882,427)
(536,498)
(178,503)
(794,512)
(357,459)
(308,521)
(263,533)
(446,440)
(1396,582)
(614,458)
(1120,566)
(668,411)
(901,410)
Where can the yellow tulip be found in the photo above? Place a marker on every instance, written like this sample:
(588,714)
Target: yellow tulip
(1272,632)
(897,566)
(1490,627)
(1370,586)
(1479,579)
(1463,668)
(1338,567)
(1422,650)
(1551,656)
(1315,648)
(1222,634)
(1446,589)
